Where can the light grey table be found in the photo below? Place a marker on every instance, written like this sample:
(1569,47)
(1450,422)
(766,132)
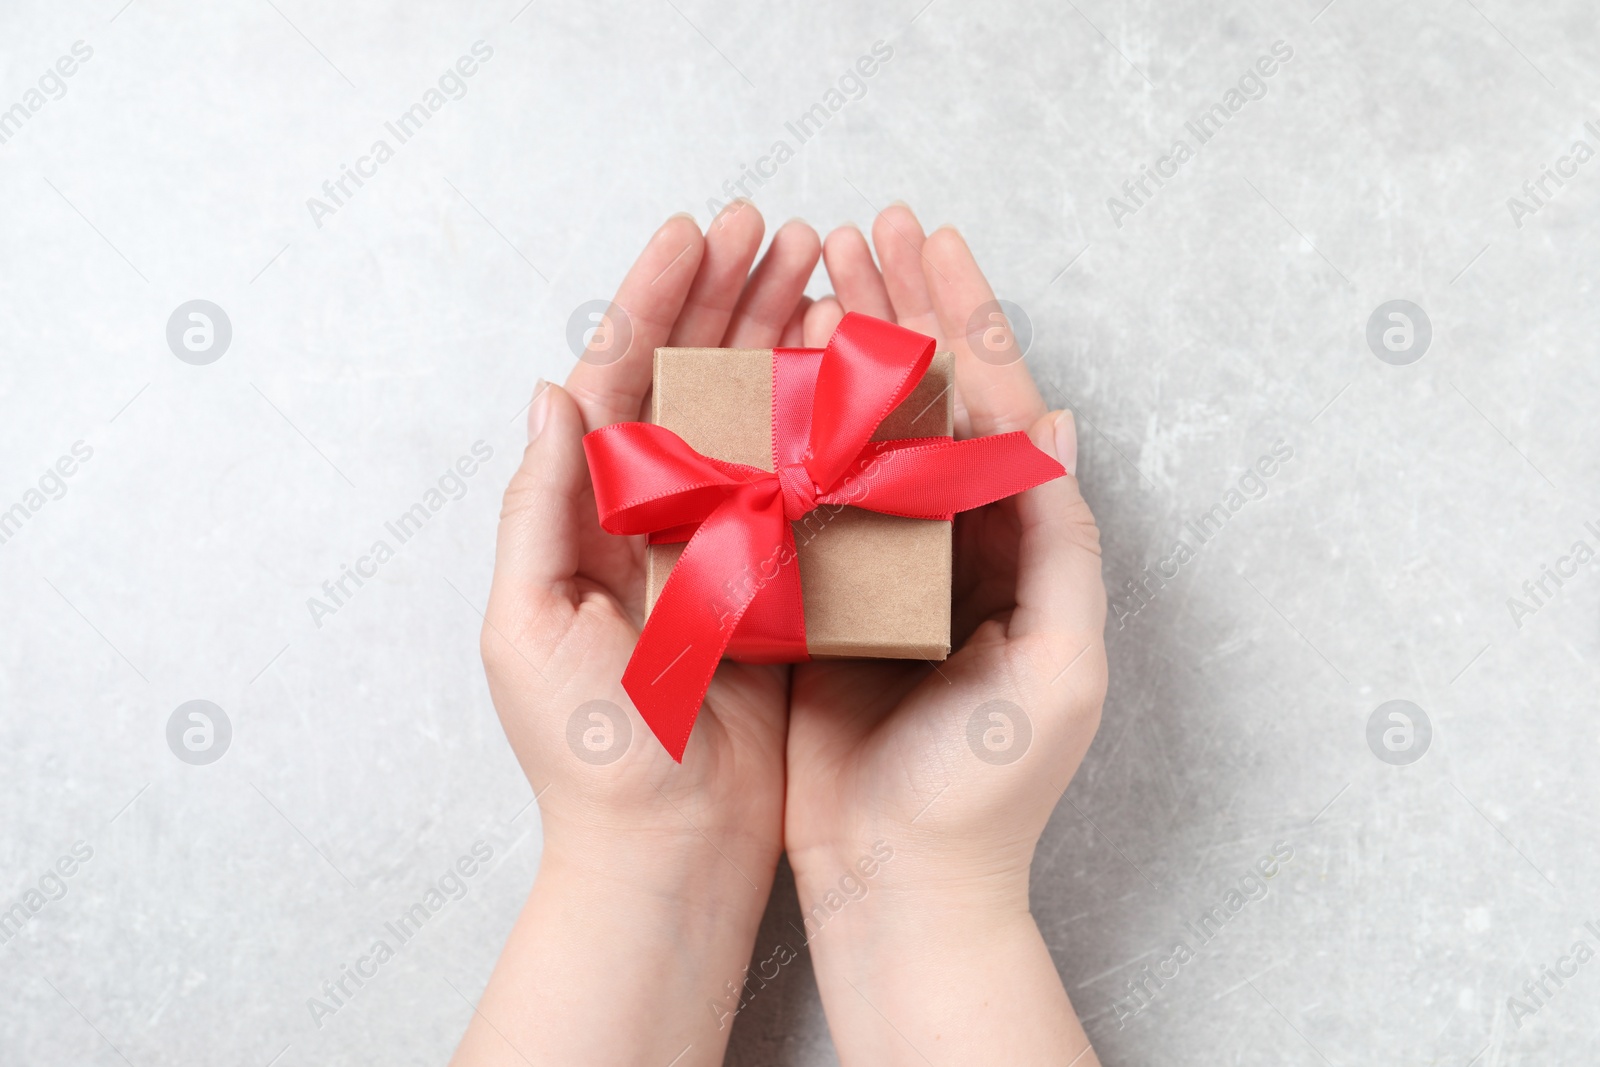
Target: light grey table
(1196,324)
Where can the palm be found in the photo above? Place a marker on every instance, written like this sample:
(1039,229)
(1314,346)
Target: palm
(566,607)
(592,625)
(884,749)
(872,744)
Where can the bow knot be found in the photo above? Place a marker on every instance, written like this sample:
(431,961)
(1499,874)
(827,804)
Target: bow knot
(799,491)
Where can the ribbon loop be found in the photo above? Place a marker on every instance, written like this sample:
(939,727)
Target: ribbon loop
(736,588)
(868,367)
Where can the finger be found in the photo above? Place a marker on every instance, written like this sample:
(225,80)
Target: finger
(794,334)
(897,235)
(1059,586)
(775,288)
(997,390)
(855,276)
(646,305)
(732,241)
(821,320)
(541,519)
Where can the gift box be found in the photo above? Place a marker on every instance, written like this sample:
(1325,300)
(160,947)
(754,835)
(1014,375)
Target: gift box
(872,585)
(798,503)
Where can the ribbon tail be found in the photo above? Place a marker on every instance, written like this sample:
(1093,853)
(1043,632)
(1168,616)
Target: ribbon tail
(933,478)
(698,611)
(773,630)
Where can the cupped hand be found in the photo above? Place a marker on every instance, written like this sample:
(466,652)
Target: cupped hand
(917,791)
(956,765)
(566,603)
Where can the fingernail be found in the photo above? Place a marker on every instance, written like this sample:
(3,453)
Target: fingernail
(539,410)
(667,225)
(1067,442)
(909,210)
(838,233)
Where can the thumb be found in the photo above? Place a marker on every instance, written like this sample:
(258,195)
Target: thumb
(1059,586)
(541,519)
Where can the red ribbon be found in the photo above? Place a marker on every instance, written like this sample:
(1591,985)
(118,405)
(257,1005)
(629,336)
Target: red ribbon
(736,588)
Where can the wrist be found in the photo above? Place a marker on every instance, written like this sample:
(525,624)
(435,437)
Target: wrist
(662,931)
(859,924)
(898,966)
(695,842)
(666,931)
(648,873)
(911,877)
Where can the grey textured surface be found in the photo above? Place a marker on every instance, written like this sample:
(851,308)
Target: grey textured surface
(1226,314)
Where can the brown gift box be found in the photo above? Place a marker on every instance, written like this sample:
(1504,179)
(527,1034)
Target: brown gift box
(873,585)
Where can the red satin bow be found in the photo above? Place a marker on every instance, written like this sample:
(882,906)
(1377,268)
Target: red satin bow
(736,588)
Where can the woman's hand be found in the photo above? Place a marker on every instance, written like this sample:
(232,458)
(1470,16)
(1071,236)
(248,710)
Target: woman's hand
(950,769)
(654,876)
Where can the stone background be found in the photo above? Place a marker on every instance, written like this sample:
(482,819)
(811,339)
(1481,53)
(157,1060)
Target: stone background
(1226,314)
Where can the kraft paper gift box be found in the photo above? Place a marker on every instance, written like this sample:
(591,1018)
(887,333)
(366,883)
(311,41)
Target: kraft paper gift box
(873,585)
